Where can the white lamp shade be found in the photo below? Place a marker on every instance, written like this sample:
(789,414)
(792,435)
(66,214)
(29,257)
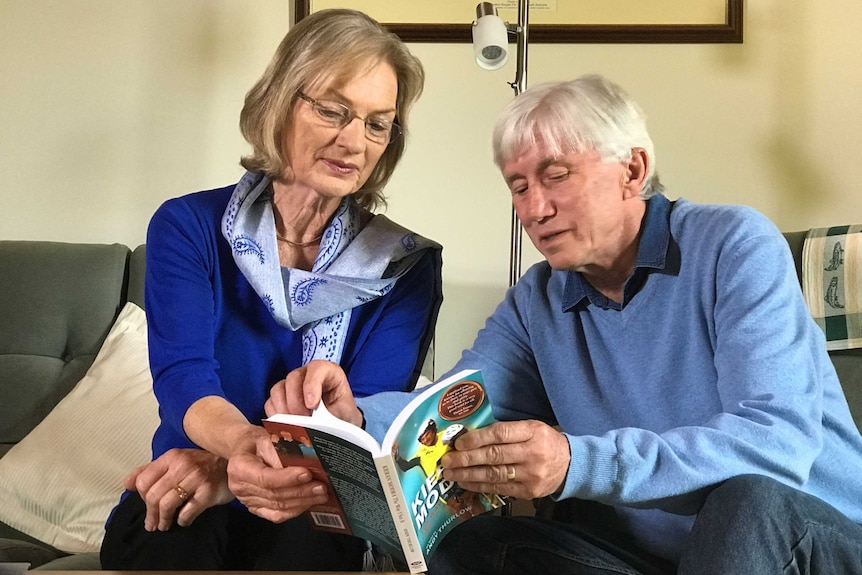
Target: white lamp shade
(490,42)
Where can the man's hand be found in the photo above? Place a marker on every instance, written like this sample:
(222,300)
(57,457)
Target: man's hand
(304,388)
(524,459)
(179,485)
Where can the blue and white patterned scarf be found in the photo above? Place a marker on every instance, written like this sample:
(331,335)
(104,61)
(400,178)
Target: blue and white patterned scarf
(352,267)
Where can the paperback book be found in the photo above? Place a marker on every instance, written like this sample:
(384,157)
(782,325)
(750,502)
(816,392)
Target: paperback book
(392,494)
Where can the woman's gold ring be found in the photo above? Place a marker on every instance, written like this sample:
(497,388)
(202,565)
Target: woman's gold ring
(510,472)
(181,493)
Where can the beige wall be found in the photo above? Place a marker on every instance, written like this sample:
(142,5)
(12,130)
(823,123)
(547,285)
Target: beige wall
(107,108)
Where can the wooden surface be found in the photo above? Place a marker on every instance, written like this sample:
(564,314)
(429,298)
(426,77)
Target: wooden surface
(216,572)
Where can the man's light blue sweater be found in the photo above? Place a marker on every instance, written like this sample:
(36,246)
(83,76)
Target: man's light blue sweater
(711,368)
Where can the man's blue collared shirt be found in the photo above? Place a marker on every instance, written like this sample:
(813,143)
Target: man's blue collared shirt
(652,255)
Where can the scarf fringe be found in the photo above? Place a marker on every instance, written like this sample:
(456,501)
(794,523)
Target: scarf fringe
(374,560)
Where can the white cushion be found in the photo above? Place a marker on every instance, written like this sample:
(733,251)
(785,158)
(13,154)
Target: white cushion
(61,481)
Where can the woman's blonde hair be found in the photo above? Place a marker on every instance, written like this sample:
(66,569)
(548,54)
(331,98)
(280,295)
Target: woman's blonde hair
(329,46)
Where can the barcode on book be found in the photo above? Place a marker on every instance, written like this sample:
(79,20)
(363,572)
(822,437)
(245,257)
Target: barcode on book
(330,520)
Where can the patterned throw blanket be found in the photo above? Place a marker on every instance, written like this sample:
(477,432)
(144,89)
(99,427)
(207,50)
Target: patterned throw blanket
(831,267)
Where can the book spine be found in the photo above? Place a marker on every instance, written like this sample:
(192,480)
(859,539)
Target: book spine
(400,514)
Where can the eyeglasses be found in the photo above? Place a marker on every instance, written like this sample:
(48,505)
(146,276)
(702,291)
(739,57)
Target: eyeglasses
(338,115)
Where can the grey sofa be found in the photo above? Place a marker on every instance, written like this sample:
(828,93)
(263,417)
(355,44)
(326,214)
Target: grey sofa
(57,303)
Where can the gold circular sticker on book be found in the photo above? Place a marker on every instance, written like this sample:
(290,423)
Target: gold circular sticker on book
(461,400)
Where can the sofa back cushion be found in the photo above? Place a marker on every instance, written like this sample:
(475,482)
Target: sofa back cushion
(57,304)
(848,365)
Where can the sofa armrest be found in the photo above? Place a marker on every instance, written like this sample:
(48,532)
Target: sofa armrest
(137,267)
(19,551)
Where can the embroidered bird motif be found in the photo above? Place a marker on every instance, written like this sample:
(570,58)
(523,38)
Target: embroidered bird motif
(837,258)
(832,294)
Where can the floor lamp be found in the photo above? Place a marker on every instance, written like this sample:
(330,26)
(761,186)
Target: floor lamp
(491,47)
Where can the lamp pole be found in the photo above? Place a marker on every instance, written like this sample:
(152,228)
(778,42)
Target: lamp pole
(519,85)
(490,45)
(491,55)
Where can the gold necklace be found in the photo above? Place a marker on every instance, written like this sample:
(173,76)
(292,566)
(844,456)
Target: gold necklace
(298,244)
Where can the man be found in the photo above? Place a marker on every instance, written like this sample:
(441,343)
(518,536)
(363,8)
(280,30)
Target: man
(701,426)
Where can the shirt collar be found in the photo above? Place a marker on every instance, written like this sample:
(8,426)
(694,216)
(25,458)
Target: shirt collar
(652,252)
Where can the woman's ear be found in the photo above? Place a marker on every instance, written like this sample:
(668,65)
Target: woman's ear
(636,170)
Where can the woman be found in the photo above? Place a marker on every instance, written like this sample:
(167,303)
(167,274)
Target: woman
(248,283)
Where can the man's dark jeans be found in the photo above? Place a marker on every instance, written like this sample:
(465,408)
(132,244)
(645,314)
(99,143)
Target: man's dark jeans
(748,525)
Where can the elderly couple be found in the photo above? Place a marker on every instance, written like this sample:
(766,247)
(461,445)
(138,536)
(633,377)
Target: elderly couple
(658,375)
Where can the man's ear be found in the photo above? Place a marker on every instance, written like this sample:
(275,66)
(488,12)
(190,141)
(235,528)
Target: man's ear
(636,170)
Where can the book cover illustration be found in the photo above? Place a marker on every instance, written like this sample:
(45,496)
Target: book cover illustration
(419,437)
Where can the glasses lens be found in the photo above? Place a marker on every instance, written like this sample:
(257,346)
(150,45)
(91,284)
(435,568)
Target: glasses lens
(332,113)
(379,130)
(394,133)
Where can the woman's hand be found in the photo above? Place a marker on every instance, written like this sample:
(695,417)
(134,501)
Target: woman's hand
(254,473)
(268,489)
(272,493)
(304,388)
(179,486)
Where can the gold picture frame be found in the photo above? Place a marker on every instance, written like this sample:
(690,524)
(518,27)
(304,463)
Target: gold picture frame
(623,27)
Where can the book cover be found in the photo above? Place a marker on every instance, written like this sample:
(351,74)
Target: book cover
(392,494)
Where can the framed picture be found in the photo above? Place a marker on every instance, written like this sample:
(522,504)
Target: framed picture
(557,21)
